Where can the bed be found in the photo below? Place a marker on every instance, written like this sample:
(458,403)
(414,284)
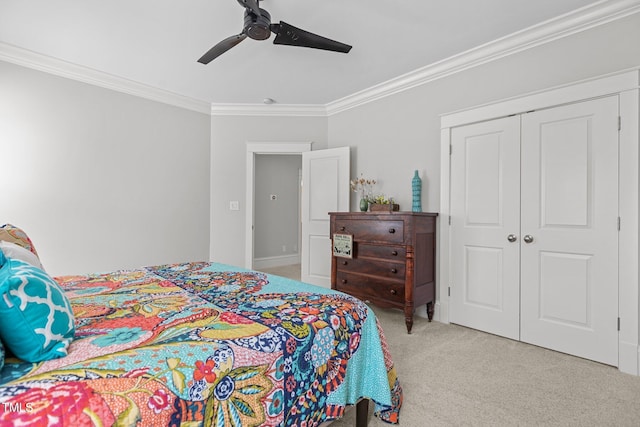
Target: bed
(203,343)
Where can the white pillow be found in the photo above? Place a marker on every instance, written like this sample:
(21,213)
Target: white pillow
(11,250)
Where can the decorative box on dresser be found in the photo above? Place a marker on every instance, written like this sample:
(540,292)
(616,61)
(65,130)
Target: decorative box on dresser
(392,261)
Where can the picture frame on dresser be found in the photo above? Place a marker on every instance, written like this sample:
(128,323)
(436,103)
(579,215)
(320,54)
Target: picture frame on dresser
(342,245)
(392,260)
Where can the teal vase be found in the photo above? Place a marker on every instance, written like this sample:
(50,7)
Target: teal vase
(416,188)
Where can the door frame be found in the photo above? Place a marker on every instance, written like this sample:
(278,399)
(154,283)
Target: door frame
(254,148)
(625,85)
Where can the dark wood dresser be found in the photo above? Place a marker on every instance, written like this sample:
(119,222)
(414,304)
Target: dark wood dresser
(392,260)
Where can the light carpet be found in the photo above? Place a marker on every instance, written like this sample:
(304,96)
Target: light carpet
(455,376)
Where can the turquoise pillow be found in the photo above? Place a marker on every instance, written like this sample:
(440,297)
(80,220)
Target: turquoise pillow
(36,319)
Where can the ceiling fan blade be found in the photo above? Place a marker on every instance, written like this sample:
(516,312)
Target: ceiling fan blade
(251,4)
(289,35)
(221,48)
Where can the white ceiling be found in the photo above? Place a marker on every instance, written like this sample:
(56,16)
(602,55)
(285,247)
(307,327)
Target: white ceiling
(158,42)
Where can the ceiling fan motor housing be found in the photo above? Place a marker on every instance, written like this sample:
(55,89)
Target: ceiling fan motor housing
(257,27)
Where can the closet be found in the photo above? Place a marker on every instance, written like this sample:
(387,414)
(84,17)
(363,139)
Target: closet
(533,231)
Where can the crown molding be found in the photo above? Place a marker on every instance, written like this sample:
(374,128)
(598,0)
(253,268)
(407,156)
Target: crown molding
(599,13)
(37,61)
(582,19)
(283,110)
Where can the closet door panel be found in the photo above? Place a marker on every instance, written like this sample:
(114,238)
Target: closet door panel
(569,288)
(485,210)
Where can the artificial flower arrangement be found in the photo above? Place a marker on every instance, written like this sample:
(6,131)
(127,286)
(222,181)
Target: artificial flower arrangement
(381,199)
(382,203)
(369,201)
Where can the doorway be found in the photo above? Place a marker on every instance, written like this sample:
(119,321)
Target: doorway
(276,234)
(325,173)
(254,151)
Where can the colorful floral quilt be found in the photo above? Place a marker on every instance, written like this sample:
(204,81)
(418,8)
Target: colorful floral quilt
(204,344)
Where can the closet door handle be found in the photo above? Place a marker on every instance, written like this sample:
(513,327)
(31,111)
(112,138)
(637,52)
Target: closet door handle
(528,238)
(512,238)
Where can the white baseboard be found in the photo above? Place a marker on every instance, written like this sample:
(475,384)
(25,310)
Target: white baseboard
(628,354)
(421,311)
(276,261)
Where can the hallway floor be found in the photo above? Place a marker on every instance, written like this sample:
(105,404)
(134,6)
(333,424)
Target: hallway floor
(289,271)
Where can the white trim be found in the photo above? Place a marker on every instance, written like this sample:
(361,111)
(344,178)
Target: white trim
(594,87)
(582,19)
(254,148)
(287,110)
(276,261)
(442,239)
(48,64)
(628,243)
(625,85)
(278,147)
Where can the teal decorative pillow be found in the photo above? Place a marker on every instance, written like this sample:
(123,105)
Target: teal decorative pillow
(36,319)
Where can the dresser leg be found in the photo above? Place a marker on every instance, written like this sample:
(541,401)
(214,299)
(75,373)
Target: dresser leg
(408,320)
(430,307)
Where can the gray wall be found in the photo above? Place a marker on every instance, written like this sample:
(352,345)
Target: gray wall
(229,137)
(105,180)
(276,221)
(393,136)
(99,179)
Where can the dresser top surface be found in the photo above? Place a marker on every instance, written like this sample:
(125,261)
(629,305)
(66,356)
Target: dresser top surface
(385,215)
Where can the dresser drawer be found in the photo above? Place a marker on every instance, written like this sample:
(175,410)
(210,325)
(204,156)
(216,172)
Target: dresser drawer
(365,288)
(391,231)
(377,268)
(397,253)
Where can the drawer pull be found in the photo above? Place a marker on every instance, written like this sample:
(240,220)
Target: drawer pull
(344,263)
(344,281)
(394,292)
(343,228)
(394,253)
(392,230)
(394,270)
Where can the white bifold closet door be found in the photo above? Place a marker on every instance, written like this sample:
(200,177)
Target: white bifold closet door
(558,230)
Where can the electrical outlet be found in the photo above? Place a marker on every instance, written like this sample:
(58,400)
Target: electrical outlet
(234,205)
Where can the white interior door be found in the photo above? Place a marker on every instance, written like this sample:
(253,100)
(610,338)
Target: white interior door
(569,272)
(485,212)
(325,188)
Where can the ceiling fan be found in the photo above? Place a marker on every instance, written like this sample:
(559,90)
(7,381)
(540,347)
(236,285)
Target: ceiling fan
(258,26)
